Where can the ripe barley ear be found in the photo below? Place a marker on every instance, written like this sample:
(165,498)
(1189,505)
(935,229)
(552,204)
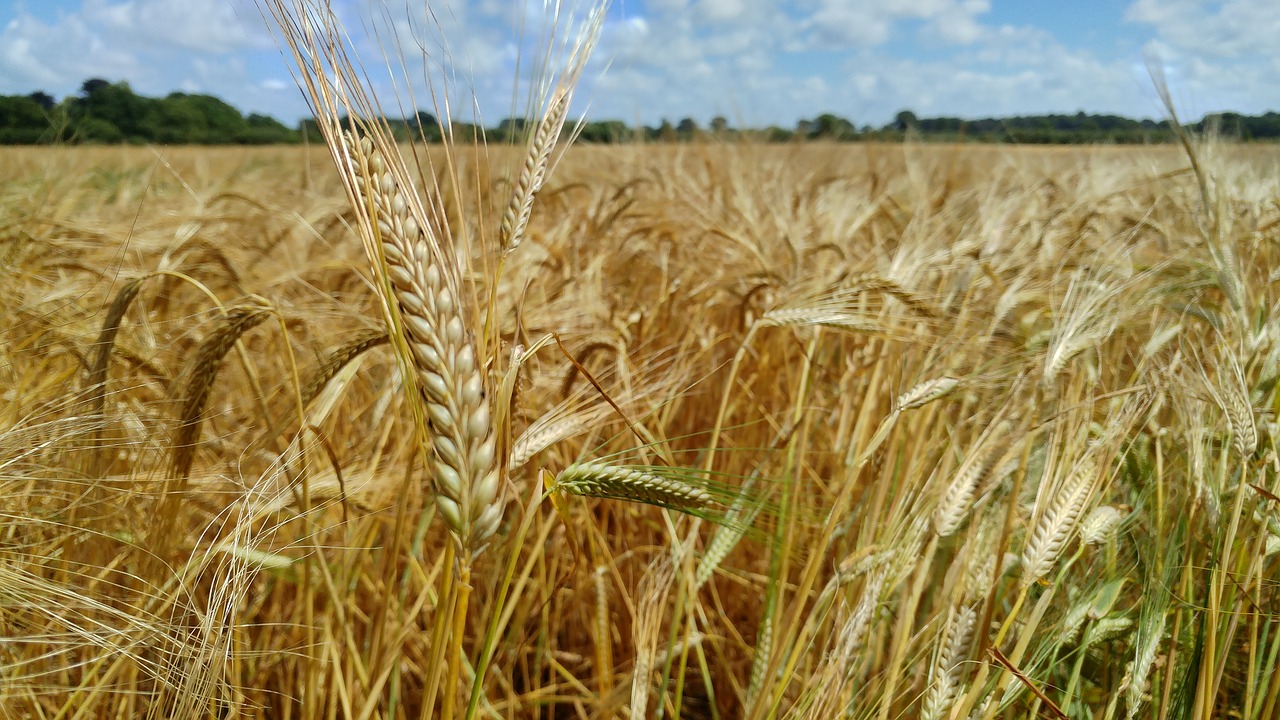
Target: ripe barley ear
(433,324)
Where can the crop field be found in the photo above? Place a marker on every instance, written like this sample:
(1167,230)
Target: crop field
(764,431)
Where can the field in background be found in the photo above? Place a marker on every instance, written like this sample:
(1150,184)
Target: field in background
(987,432)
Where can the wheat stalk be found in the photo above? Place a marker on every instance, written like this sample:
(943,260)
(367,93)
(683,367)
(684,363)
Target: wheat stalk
(957,500)
(1235,403)
(337,359)
(655,586)
(97,379)
(729,533)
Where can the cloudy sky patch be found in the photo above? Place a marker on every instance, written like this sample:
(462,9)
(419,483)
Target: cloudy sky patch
(757,62)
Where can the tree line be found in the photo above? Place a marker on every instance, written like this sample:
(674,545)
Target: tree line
(107,112)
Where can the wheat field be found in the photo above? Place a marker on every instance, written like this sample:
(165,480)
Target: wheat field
(801,431)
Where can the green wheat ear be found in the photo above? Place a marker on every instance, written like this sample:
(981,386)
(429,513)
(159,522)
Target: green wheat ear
(680,489)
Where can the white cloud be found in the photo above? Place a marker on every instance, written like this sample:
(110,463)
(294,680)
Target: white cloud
(1226,29)
(754,61)
(848,24)
(1215,56)
(207,26)
(35,54)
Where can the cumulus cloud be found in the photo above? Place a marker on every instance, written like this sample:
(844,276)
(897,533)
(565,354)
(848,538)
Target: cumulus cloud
(205,26)
(219,47)
(1216,56)
(843,24)
(756,62)
(34,54)
(1212,30)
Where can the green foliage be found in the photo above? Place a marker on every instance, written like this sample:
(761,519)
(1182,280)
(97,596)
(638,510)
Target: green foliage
(605,131)
(107,112)
(22,121)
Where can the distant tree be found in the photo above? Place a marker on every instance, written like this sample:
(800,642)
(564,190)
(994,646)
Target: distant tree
(176,120)
(512,128)
(110,105)
(44,100)
(466,132)
(22,121)
(775,134)
(264,129)
(719,125)
(667,132)
(604,131)
(687,128)
(423,119)
(309,130)
(91,86)
(905,120)
(833,127)
(805,128)
(93,129)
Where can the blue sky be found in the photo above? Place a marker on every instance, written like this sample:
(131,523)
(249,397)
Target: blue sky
(756,62)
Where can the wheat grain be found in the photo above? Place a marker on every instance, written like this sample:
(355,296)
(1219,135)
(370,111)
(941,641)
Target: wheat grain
(760,660)
(1149,637)
(958,499)
(337,359)
(97,378)
(542,434)
(802,316)
(1244,429)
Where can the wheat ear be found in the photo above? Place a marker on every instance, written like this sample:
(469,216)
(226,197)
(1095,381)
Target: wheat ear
(1057,521)
(1235,402)
(944,675)
(204,370)
(534,172)
(97,380)
(624,483)
(436,333)
(926,392)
